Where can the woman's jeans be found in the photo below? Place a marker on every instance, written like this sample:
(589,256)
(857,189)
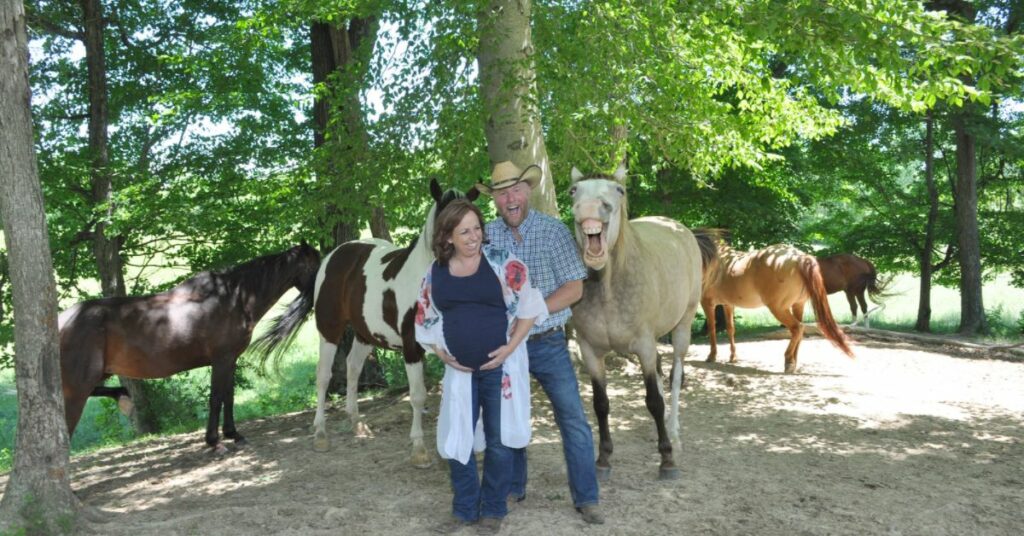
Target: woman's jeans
(473,498)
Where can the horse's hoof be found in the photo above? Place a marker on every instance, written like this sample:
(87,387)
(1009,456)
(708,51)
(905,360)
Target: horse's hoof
(362,431)
(790,369)
(711,359)
(421,460)
(732,359)
(321,443)
(603,473)
(241,441)
(669,473)
(219,450)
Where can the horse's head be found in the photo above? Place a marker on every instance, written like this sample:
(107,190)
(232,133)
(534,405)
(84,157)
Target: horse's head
(598,207)
(306,260)
(441,200)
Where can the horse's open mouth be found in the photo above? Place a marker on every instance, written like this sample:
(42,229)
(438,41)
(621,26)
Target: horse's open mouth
(596,241)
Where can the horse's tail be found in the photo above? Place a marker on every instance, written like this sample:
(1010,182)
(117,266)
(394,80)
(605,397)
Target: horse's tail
(708,240)
(273,342)
(815,286)
(878,287)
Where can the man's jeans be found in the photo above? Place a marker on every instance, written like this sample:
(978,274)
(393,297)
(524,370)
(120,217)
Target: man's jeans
(551,365)
(474,499)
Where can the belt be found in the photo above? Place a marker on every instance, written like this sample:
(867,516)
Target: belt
(545,333)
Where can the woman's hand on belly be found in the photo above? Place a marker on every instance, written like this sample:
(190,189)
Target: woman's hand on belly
(450,361)
(497,357)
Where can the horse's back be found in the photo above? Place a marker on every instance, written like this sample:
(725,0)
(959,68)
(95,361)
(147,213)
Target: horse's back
(673,254)
(776,274)
(368,284)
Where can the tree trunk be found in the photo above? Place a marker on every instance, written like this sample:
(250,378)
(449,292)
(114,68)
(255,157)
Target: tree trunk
(965,194)
(342,51)
(38,496)
(107,249)
(509,92)
(379,225)
(924,305)
(972,309)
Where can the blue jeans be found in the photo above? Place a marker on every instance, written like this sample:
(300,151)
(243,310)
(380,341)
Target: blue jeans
(474,499)
(551,365)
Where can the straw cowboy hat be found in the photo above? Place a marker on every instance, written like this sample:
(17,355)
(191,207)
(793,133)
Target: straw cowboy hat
(506,174)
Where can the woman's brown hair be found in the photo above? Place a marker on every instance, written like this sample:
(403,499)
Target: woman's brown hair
(445,225)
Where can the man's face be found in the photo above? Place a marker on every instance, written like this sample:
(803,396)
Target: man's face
(513,203)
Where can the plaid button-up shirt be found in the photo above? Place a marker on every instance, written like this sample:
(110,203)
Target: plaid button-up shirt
(550,253)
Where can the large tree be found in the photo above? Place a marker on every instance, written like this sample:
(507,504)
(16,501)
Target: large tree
(508,91)
(38,497)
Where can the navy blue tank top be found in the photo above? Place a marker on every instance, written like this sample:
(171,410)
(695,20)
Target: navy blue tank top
(474,313)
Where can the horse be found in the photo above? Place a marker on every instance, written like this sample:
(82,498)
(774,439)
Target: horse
(780,277)
(853,275)
(645,281)
(370,286)
(205,320)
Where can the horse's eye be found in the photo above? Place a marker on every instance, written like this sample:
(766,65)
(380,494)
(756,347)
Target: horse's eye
(572,191)
(621,190)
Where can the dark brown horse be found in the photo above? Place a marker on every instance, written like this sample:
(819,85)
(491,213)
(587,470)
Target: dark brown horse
(369,286)
(206,320)
(853,275)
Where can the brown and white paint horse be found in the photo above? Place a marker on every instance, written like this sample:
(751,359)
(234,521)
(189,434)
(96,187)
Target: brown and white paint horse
(854,276)
(645,282)
(370,286)
(779,277)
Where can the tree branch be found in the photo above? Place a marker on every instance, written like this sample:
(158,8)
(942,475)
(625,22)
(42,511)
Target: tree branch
(53,28)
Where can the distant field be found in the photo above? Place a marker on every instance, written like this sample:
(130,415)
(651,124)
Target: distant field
(900,310)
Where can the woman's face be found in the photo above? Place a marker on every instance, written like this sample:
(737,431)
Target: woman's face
(467,236)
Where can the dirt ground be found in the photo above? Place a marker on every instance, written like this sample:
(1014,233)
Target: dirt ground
(900,441)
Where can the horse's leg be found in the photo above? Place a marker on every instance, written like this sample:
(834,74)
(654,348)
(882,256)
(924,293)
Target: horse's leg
(798,313)
(730,328)
(850,297)
(655,400)
(356,357)
(418,398)
(323,380)
(220,382)
(796,329)
(74,403)
(864,307)
(708,307)
(229,406)
(596,371)
(680,345)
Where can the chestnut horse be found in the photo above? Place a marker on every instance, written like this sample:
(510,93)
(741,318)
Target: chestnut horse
(370,286)
(205,320)
(780,277)
(853,275)
(645,282)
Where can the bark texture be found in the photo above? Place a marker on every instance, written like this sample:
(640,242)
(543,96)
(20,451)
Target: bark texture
(509,90)
(38,497)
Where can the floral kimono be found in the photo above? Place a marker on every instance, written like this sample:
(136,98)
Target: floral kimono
(455,436)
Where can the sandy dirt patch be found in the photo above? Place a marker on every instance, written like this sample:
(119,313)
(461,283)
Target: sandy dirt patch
(899,441)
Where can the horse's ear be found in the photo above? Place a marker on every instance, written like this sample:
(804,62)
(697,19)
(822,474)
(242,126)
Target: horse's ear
(435,189)
(620,172)
(575,174)
(472,193)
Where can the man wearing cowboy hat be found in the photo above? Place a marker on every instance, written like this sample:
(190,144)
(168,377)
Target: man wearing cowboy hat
(555,267)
